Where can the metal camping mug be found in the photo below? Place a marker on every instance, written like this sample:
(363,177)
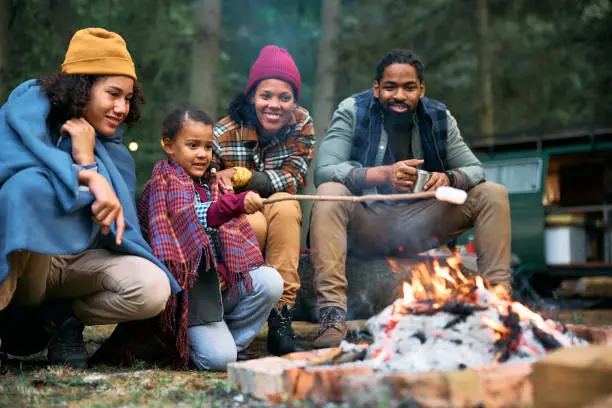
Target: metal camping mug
(422,178)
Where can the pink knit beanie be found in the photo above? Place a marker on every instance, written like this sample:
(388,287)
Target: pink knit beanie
(274,62)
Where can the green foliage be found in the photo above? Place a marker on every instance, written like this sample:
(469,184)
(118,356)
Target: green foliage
(549,58)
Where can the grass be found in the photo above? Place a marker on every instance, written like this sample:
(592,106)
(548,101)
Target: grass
(104,387)
(29,383)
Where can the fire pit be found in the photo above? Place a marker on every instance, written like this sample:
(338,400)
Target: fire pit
(448,328)
(447,321)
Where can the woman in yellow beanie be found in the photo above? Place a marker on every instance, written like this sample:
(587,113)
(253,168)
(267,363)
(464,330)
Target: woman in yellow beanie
(68,224)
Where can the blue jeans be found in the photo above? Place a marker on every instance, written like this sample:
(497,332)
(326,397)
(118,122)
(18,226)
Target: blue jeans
(214,345)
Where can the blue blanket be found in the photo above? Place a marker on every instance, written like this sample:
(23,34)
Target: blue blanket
(42,208)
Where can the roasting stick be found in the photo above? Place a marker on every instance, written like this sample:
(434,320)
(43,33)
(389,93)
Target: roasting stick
(446,194)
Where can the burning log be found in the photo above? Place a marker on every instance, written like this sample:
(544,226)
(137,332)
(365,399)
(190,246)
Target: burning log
(510,340)
(547,340)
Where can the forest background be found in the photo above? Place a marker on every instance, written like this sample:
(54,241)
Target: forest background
(502,67)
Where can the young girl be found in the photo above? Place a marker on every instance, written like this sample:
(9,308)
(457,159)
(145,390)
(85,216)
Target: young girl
(208,246)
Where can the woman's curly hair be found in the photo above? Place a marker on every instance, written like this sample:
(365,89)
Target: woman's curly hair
(242,110)
(69,95)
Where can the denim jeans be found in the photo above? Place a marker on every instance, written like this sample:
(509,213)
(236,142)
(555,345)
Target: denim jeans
(214,345)
(277,228)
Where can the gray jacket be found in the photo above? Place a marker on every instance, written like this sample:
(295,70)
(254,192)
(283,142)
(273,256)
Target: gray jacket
(333,162)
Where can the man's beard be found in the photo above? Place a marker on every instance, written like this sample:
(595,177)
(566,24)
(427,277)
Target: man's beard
(398,121)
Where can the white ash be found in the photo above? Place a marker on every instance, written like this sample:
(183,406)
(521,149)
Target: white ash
(420,343)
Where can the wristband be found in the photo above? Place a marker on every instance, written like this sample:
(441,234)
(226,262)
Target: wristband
(451,177)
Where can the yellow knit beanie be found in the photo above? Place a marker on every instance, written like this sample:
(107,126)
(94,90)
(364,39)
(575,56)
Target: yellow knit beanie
(96,51)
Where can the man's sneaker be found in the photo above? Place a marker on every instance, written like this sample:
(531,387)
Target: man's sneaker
(66,346)
(333,327)
(281,338)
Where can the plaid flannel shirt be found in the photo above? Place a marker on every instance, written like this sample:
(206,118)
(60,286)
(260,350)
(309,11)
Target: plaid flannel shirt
(284,160)
(201,209)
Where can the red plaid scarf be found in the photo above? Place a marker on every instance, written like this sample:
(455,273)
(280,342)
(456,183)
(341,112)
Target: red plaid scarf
(169,223)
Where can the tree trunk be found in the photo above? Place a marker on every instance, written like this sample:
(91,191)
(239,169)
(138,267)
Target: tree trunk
(327,65)
(61,19)
(484,71)
(5,18)
(204,88)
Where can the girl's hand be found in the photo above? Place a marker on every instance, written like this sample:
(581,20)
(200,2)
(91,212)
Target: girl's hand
(83,137)
(224,180)
(252,202)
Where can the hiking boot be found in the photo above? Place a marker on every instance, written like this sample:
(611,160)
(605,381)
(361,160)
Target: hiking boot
(333,327)
(281,338)
(242,355)
(3,361)
(66,346)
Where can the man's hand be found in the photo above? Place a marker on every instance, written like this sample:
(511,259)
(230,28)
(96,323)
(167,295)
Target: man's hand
(436,180)
(106,209)
(83,137)
(253,203)
(224,180)
(403,174)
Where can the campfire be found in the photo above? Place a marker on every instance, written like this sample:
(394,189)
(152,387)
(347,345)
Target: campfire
(448,321)
(451,339)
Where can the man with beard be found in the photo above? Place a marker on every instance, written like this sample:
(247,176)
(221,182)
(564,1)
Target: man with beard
(375,143)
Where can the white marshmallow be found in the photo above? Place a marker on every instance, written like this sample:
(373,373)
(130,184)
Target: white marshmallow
(451,195)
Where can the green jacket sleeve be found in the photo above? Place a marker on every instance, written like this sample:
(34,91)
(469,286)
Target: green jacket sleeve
(460,158)
(333,158)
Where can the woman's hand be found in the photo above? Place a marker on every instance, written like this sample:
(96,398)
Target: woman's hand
(224,180)
(253,202)
(107,208)
(83,137)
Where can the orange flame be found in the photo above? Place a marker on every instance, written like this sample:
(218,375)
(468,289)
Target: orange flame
(438,286)
(432,288)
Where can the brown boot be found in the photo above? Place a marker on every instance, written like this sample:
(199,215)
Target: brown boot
(333,327)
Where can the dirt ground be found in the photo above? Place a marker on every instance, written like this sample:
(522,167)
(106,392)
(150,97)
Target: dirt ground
(28,383)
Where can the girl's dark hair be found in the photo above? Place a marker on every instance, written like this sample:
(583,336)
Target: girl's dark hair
(173,123)
(69,94)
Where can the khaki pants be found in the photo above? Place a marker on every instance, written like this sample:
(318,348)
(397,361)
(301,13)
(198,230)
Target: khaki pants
(406,229)
(107,287)
(277,229)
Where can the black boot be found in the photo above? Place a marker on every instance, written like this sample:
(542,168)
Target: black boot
(3,361)
(281,338)
(66,346)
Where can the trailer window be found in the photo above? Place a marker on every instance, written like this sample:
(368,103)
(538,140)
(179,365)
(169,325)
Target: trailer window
(519,176)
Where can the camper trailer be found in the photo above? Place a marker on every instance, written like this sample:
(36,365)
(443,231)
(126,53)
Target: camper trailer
(560,192)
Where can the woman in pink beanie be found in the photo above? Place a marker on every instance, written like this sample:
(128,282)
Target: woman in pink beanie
(266,144)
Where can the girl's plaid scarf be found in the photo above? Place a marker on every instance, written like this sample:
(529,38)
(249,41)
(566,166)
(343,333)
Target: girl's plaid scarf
(169,223)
